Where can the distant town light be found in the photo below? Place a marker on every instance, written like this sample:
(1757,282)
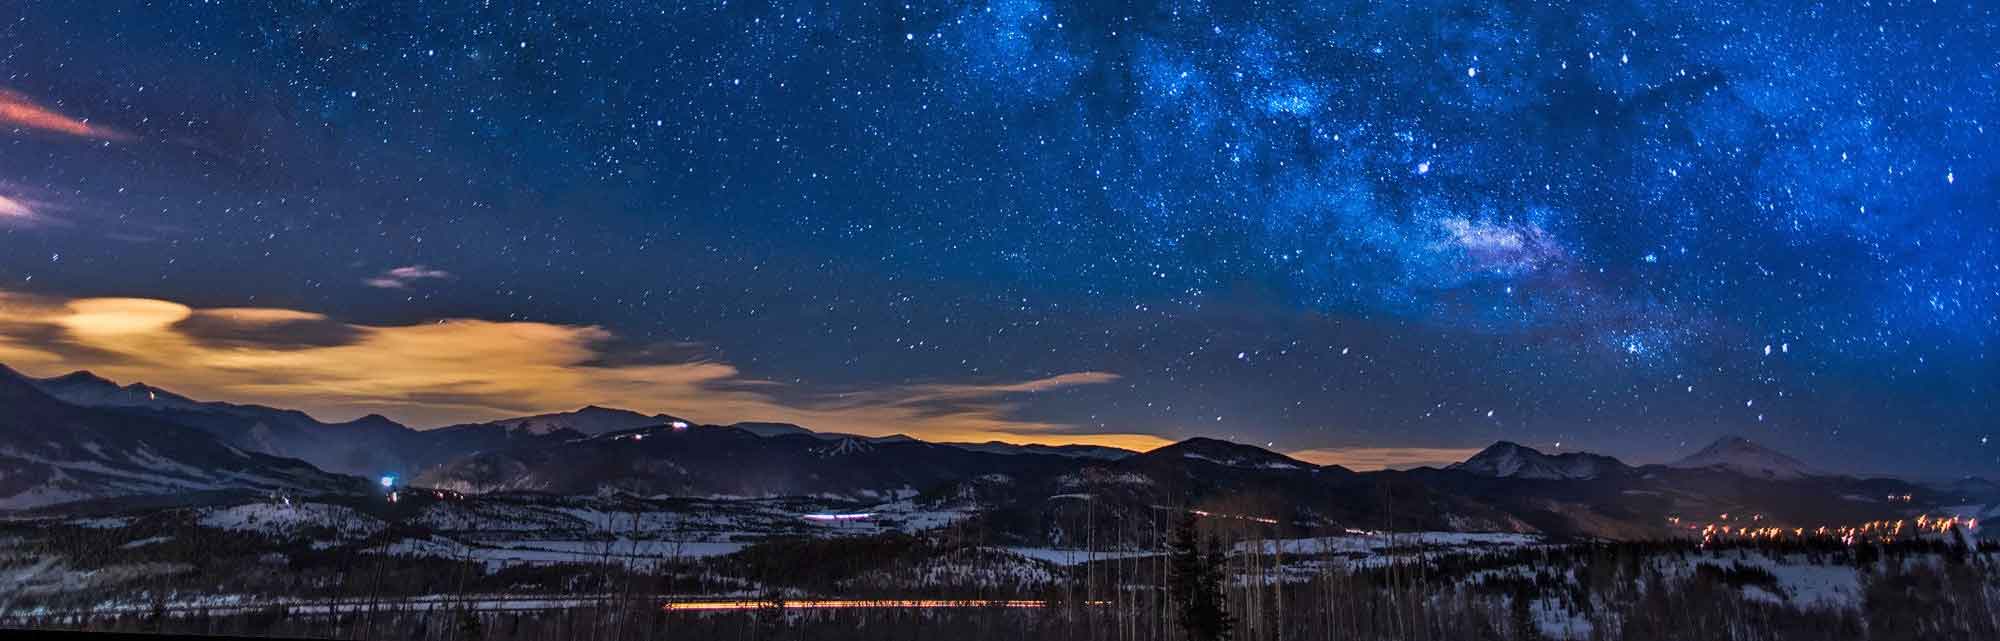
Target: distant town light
(679,425)
(388,481)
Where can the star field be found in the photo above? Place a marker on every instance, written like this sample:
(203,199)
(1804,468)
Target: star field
(1626,229)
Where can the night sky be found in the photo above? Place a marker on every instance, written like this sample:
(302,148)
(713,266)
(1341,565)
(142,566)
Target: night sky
(1364,232)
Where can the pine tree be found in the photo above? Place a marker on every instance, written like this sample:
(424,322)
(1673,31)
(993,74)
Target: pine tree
(158,615)
(1196,584)
(468,625)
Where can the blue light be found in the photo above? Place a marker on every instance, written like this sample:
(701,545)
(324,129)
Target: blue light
(388,481)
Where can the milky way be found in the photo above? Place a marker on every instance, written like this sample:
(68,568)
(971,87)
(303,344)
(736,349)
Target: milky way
(1421,225)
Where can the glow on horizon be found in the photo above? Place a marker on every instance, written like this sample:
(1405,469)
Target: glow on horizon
(454,370)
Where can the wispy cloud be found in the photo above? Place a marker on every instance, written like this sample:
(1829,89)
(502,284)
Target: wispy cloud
(24,209)
(11,208)
(1384,458)
(18,111)
(401,277)
(454,370)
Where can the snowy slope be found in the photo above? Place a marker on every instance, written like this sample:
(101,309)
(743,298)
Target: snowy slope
(53,452)
(1739,455)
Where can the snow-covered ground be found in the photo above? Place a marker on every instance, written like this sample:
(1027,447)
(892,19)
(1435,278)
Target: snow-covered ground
(1801,579)
(633,554)
(286,518)
(1355,549)
(985,567)
(1558,622)
(51,576)
(1369,543)
(1070,556)
(684,520)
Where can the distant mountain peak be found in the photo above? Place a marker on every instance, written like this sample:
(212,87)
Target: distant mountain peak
(375,421)
(600,409)
(589,419)
(83,376)
(1507,459)
(762,428)
(1741,455)
(84,387)
(1230,454)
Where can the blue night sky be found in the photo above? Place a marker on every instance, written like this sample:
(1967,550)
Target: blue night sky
(1346,229)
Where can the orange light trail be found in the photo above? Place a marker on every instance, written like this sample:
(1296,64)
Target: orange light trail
(850,604)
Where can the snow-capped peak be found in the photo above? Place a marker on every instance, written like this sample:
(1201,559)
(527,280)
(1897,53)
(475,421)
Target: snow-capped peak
(1739,455)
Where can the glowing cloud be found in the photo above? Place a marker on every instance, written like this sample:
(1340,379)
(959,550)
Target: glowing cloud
(457,370)
(401,277)
(17,209)
(17,110)
(10,208)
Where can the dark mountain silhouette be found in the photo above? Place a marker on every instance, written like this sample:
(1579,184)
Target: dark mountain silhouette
(1507,459)
(55,452)
(595,450)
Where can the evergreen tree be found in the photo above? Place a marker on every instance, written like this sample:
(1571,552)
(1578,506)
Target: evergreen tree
(468,625)
(1196,584)
(157,616)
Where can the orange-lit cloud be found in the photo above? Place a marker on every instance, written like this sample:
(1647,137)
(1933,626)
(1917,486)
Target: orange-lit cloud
(18,111)
(457,370)
(1384,458)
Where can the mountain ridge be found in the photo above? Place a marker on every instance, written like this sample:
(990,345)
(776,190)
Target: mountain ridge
(1507,459)
(1743,456)
(1505,487)
(54,452)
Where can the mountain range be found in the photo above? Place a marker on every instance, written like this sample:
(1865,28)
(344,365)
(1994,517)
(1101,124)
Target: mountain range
(53,452)
(1507,459)
(367,446)
(80,437)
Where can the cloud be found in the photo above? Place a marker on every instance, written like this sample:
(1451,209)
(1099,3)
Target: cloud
(271,328)
(10,208)
(458,370)
(17,110)
(1381,458)
(401,277)
(19,210)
